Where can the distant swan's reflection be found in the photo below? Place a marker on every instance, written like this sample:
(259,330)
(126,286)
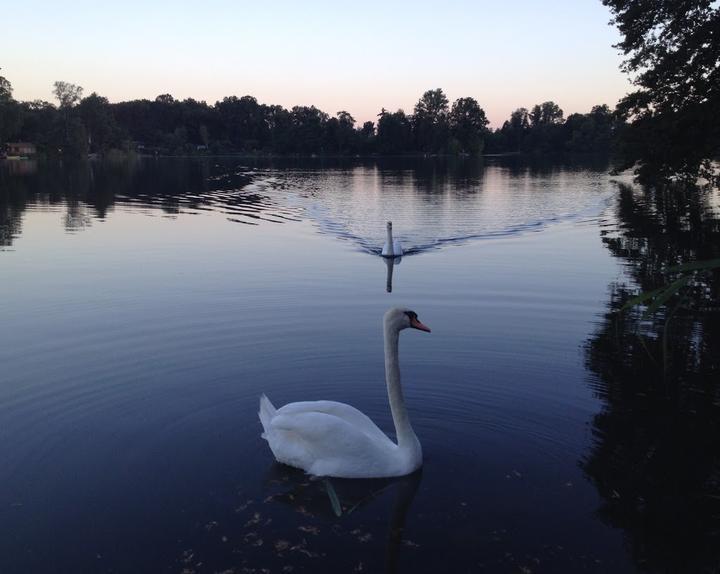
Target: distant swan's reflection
(390,263)
(336,499)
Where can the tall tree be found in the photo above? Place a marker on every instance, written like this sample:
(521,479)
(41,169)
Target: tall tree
(67,94)
(96,115)
(10,112)
(672,49)
(366,138)
(279,124)
(307,125)
(5,89)
(394,132)
(589,133)
(345,134)
(515,129)
(468,125)
(546,114)
(431,121)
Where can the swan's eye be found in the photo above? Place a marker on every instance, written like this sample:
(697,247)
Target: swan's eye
(412,315)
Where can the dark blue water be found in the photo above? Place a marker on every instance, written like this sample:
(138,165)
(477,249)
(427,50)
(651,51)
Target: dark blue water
(146,306)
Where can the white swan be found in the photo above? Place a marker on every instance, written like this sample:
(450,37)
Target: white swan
(325,438)
(392,248)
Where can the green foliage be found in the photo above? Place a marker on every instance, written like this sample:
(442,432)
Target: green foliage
(545,114)
(468,125)
(5,90)
(241,124)
(102,129)
(543,131)
(10,113)
(430,121)
(10,119)
(395,134)
(67,94)
(590,133)
(673,50)
(659,297)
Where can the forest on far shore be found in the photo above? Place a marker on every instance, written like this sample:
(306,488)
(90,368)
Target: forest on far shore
(80,125)
(666,128)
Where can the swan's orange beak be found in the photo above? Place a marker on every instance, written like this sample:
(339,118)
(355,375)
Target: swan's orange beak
(415,324)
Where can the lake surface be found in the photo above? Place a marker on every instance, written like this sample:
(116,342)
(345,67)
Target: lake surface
(145,307)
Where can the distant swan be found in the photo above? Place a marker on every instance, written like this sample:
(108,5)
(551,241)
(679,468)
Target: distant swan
(326,438)
(392,248)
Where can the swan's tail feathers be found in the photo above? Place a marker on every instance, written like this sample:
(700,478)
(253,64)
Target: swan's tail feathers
(266,414)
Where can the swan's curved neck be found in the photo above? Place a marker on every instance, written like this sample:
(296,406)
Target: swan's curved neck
(391,247)
(403,429)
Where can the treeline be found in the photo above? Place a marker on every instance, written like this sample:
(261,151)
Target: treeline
(81,125)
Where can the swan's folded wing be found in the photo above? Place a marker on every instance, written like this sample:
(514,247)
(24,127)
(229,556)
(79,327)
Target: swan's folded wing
(326,445)
(350,415)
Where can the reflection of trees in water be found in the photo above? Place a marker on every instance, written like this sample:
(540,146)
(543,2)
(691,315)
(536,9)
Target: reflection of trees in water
(256,190)
(656,457)
(11,210)
(90,190)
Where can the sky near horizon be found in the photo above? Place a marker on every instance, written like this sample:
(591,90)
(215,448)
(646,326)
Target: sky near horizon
(358,57)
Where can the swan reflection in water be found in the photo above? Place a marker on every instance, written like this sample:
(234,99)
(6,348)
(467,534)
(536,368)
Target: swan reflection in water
(390,263)
(346,504)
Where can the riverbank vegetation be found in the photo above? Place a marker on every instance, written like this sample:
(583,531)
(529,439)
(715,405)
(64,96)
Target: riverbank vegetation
(668,127)
(672,118)
(80,125)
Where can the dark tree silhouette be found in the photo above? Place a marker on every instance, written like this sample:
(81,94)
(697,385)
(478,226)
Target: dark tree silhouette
(166,126)
(395,134)
(10,112)
(673,53)
(431,121)
(545,114)
(5,89)
(512,134)
(96,115)
(656,454)
(590,133)
(468,125)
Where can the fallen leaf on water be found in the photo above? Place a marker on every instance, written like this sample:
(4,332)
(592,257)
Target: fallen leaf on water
(360,536)
(281,545)
(244,506)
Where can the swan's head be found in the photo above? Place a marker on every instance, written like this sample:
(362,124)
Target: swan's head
(400,318)
(389,225)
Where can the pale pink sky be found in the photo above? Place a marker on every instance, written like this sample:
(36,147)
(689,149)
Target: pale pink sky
(356,57)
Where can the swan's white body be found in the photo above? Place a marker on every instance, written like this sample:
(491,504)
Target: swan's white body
(326,438)
(392,247)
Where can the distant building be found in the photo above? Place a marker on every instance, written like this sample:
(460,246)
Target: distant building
(20,148)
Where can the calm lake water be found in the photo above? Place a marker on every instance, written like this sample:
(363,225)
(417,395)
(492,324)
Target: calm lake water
(146,306)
